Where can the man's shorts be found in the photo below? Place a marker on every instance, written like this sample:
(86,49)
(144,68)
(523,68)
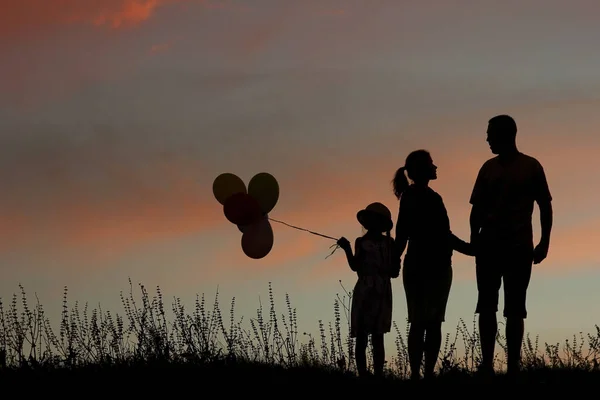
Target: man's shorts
(509,266)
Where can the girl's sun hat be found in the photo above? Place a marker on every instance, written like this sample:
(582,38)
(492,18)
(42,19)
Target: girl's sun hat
(376,217)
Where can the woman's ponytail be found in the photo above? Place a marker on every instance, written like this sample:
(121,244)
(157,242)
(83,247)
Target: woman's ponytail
(400,182)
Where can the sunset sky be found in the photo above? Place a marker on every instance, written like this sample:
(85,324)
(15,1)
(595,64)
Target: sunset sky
(117,115)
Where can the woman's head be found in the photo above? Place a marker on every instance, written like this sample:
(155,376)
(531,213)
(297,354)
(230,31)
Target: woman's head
(420,169)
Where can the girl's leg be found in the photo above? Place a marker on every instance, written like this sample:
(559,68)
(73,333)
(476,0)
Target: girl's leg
(378,353)
(415,348)
(361,353)
(433,342)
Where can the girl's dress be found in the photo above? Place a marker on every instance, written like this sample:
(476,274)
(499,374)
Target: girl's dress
(371,311)
(427,272)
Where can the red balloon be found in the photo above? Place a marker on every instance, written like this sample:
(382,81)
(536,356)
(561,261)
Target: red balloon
(242,209)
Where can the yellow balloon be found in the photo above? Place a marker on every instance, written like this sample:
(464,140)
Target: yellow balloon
(265,189)
(226,185)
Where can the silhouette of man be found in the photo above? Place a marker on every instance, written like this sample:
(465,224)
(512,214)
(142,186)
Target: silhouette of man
(503,198)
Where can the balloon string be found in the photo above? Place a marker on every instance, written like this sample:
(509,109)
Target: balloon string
(302,229)
(335,246)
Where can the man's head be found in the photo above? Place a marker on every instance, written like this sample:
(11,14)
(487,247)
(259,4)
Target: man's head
(501,134)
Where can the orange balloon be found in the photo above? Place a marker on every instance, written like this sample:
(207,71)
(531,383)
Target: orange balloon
(258,239)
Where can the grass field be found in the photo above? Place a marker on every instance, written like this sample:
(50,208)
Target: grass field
(209,345)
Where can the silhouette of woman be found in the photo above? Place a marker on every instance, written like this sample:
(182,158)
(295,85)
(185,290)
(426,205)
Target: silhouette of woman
(423,224)
(375,263)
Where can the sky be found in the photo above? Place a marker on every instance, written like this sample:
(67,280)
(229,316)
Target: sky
(117,115)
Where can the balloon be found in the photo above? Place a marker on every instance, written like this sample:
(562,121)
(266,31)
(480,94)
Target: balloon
(257,240)
(243,228)
(226,185)
(265,189)
(242,209)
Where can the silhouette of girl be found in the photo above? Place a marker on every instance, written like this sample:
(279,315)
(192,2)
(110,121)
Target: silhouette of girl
(375,263)
(423,224)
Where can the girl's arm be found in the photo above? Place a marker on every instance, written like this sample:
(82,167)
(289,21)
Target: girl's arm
(353,259)
(461,246)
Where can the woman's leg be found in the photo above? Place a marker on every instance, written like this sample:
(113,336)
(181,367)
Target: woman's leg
(439,293)
(415,348)
(378,353)
(361,353)
(433,342)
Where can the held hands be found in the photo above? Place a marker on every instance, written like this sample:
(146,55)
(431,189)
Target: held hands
(474,244)
(469,250)
(463,247)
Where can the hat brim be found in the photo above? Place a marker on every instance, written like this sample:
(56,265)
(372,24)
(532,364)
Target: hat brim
(374,221)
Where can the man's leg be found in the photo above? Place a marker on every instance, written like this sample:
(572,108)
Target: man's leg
(515,327)
(488,329)
(489,281)
(516,282)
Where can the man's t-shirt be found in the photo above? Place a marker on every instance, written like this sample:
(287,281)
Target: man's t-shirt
(506,192)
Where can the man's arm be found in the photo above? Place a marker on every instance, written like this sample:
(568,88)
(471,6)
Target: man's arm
(546,219)
(544,200)
(541,250)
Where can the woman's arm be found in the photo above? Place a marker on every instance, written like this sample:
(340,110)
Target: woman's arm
(395,262)
(461,246)
(402,226)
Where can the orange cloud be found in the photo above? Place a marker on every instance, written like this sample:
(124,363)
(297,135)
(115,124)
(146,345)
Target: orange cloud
(23,24)
(130,13)
(28,18)
(100,192)
(142,215)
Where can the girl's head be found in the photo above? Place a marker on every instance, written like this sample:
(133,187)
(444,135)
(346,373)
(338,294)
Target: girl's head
(420,169)
(376,217)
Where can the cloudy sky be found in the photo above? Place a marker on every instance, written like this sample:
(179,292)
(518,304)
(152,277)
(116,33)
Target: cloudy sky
(117,115)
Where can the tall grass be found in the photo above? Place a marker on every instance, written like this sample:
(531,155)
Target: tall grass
(146,332)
